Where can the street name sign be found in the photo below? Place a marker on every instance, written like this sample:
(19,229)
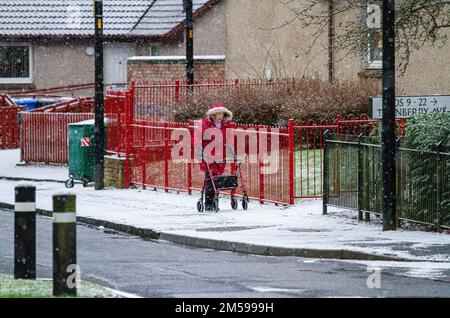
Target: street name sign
(411,106)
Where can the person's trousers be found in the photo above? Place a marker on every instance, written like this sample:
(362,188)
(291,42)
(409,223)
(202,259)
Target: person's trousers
(209,193)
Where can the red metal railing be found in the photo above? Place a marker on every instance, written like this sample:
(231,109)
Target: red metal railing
(55,91)
(44,133)
(301,175)
(6,100)
(151,146)
(135,131)
(44,136)
(9,127)
(72,105)
(154,101)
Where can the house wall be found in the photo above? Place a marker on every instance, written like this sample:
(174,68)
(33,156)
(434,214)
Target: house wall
(256,42)
(62,65)
(209,35)
(56,65)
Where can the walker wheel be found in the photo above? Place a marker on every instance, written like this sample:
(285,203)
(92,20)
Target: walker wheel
(216,203)
(245,202)
(200,206)
(234,203)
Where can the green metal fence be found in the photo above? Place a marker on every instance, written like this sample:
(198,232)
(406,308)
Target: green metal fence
(353,180)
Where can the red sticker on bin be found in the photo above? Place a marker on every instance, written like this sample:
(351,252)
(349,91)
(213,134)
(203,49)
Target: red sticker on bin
(85,142)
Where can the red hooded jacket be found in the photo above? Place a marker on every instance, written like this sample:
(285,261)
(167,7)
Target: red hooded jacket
(216,168)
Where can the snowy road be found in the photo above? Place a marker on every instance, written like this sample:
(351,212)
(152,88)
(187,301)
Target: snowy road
(299,226)
(157,269)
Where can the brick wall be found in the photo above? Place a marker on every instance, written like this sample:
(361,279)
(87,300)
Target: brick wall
(174,68)
(115,172)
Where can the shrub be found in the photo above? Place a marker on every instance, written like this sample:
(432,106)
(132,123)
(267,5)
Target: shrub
(426,169)
(272,103)
(425,132)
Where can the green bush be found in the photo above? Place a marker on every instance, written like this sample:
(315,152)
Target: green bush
(425,132)
(426,169)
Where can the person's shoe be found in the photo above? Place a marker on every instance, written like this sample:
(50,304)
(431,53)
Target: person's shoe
(211,209)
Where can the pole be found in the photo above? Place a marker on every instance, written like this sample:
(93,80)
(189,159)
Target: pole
(326,173)
(330,40)
(360,179)
(99,134)
(65,245)
(25,232)
(189,44)
(291,161)
(388,145)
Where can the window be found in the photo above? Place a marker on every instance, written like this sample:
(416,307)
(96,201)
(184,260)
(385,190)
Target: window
(155,50)
(375,50)
(374,47)
(15,64)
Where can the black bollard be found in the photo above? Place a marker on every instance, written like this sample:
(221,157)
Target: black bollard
(25,232)
(64,245)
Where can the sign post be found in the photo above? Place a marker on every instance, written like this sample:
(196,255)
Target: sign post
(99,131)
(388,144)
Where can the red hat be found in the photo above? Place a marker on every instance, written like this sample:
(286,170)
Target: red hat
(219,108)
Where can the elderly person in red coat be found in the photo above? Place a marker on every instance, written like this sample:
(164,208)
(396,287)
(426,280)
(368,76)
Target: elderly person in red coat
(218,119)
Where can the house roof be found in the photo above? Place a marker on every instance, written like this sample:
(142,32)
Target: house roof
(28,18)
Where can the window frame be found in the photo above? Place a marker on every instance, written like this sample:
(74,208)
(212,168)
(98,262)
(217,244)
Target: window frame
(372,64)
(368,63)
(20,80)
(155,46)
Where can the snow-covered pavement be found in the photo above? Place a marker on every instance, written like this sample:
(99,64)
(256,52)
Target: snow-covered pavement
(299,226)
(9,168)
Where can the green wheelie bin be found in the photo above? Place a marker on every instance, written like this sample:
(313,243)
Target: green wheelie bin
(81,150)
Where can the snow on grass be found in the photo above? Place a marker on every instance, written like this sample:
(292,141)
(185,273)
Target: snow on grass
(43,288)
(299,226)
(308,172)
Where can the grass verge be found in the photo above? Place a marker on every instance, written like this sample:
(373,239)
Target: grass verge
(43,288)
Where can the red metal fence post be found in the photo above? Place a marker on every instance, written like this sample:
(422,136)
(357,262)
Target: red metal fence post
(291,161)
(127,138)
(260,147)
(177,91)
(3,122)
(144,162)
(192,154)
(233,126)
(166,158)
(16,129)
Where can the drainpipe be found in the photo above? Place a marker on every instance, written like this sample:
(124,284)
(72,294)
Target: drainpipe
(330,40)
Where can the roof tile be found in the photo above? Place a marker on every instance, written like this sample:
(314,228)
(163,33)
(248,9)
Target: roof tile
(75,17)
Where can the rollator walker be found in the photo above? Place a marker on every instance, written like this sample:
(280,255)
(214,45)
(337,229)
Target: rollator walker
(231,182)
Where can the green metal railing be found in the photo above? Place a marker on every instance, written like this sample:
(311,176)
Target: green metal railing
(353,180)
